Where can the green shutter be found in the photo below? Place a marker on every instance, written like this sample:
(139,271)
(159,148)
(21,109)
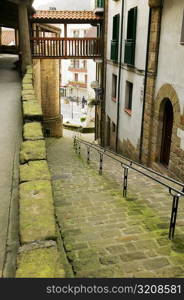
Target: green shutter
(115,38)
(131,37)
(100,3)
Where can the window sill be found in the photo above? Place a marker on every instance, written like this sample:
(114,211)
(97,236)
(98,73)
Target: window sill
(128,111)
(113,99)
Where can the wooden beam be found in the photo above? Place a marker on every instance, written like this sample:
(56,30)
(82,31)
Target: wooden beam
(0,36)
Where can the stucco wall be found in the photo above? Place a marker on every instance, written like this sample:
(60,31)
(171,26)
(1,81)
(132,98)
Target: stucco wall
(171,52)
(129,126)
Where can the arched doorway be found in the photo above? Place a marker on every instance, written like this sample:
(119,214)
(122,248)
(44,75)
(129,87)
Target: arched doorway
(167,128)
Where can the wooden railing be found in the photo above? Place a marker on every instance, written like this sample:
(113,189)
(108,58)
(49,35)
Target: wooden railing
(66,48)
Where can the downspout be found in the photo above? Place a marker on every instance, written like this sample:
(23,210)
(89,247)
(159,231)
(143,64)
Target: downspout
(145,84)
(119,79)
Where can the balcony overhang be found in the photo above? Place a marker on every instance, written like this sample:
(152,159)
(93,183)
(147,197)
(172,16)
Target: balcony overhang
(66,17)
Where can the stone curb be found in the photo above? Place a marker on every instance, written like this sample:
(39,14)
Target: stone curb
(38,256)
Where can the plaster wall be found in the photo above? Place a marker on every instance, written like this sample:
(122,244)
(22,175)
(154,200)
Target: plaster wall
(171,52)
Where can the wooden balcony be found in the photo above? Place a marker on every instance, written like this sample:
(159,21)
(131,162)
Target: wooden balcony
(66,48)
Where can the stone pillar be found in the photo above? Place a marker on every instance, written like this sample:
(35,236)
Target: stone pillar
(50,94)
(156,10)
(24,37)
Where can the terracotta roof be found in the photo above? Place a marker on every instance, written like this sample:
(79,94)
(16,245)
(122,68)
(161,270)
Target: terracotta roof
(8,37)
(66,15)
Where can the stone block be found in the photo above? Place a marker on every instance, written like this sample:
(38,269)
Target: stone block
(36,219)
(32,110)
(39,263)
(29,98)
(27,79)
(29,70)
(28,92)
(32,150)
(34,170)
(33,131)
(27,86)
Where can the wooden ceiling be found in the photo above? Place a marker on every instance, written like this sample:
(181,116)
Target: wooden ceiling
(9,12)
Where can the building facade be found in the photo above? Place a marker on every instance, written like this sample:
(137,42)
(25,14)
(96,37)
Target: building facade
(144,91)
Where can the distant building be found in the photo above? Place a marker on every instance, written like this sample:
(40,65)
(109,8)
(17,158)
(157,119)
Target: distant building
(77,74)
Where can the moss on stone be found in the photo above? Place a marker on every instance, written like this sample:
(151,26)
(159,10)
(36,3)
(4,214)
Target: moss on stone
(33,131)
(34,170)
(40,263)
(31,108)
(27,79)
(29,98)
(32,150)
(28,92)
(37,220)
(27,86)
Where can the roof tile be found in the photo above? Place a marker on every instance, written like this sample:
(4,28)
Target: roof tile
(65,15)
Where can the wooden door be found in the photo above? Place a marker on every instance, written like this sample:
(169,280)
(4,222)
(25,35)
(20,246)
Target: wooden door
(166,133)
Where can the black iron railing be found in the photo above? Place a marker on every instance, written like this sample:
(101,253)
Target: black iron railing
(127,164)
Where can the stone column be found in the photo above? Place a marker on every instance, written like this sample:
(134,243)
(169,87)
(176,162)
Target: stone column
(24,36)
(156,10)
(50,97)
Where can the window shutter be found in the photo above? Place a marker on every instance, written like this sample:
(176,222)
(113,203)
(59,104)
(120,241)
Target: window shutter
(115,38)
(131,36)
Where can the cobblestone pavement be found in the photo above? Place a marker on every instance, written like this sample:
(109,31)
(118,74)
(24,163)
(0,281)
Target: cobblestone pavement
(104,234)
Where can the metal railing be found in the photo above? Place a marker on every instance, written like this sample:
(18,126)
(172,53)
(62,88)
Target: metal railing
(127,164)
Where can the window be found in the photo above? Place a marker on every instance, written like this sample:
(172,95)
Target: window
(128,97)
(114,87)
(115,38)
(131,37)
(76,33)
(84,64)
(76,64)
(182,32)
(76,77)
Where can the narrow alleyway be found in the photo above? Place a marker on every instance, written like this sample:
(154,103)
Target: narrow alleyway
(104,234)
(10,134)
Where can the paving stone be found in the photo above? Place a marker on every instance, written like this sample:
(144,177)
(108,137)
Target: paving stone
(132,256)
(33,131)
(32,150)
(34,170)
(37,220)
(106,235)
(155,263)
(109,260)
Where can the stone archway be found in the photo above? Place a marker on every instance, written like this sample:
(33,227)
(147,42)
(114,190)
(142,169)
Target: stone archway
(166,93)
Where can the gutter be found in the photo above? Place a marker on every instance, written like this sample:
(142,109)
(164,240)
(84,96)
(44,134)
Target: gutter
(119,79)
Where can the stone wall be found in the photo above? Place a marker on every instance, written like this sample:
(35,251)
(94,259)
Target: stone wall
(128,150)
(38,255)
(47,82)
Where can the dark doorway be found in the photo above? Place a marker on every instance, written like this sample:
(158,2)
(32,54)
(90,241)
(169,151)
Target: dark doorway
(166,132)
(108,131)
